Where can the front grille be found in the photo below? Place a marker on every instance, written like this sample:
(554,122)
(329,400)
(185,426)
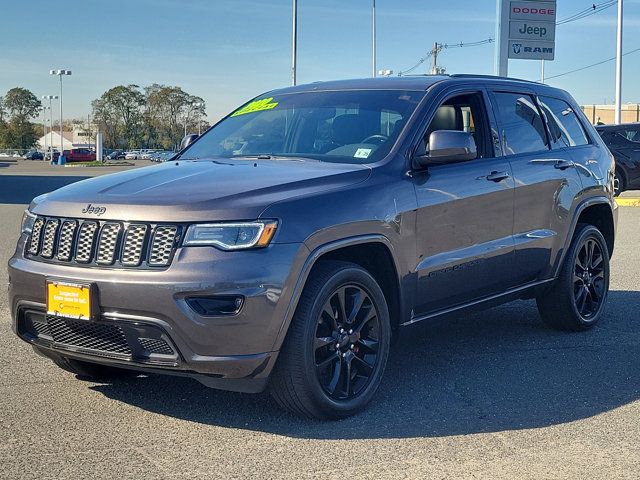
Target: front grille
(122,340)
(88,335)
(103,243)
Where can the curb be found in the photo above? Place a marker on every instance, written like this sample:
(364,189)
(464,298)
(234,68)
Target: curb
(628,201)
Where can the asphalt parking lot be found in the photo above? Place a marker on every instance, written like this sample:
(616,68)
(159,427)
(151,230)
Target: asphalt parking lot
(489,395)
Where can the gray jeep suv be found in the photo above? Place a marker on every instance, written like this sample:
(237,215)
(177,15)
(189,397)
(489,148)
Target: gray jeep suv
(285,246)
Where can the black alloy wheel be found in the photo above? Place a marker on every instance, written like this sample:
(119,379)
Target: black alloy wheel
(346,342)
(589,278)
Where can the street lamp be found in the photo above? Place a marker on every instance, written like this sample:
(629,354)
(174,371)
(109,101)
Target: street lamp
(44,125)
(60,73)
(50,98)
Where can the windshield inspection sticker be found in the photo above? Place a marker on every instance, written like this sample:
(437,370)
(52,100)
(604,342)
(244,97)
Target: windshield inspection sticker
(256,106)
(362,153)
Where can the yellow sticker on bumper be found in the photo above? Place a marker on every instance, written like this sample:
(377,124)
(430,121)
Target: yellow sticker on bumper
(68,300)
(256,106)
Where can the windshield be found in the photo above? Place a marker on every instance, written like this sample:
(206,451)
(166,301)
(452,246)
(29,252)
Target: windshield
(331,126)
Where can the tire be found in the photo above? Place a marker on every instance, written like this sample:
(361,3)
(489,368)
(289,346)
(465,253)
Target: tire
(86,370)
(321,350)
(619,183)
(576,299)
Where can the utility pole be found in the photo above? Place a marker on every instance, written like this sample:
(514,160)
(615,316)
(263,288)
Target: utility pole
(437,48)
(294,40)
(618,116)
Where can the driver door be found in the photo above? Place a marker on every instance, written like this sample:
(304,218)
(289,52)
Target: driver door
(465,214)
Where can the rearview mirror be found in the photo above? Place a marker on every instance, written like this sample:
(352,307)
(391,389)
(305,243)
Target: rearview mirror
(188,140)
(447,146)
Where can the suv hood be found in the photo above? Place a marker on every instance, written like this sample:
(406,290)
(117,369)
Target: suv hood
(197,190)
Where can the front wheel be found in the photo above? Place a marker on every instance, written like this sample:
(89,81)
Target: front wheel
(576,299)
(335,352)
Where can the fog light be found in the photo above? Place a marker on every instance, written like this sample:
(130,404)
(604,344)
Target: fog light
(216,306)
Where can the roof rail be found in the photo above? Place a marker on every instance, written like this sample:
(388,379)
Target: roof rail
(475,75)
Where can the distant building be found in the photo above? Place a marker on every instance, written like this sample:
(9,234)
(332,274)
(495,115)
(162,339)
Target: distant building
(79,137)
(606,113)
(53,139)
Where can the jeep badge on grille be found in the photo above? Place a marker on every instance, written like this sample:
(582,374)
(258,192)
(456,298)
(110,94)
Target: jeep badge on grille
(94,209)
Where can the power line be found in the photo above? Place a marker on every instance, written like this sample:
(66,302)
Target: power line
(592,65)
(446,45)
(592,10)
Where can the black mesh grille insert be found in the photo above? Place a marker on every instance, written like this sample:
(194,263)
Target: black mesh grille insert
(153,345)
(90,335)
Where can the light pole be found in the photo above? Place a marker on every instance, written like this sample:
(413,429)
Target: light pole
(294,42)
(60,73)
(618,116)
(44,125)
(50,98)
(373,40)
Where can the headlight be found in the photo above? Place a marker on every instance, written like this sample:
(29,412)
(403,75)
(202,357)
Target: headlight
(231,236)
(27,221)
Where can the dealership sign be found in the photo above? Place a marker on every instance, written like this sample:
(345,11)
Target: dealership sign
(531,29)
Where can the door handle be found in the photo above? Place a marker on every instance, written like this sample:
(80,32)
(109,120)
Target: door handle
(562,164)
(497,176)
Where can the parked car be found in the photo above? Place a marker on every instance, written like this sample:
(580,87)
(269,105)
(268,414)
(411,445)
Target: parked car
(80,155)
(116,155)
(287,258)
(49,153)
(624,142)
(132,155)
(34,155)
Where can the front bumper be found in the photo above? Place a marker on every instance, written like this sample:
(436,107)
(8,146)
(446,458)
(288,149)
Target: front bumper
(235,352)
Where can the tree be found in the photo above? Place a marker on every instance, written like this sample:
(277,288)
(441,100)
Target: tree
(22,105)
(120,111)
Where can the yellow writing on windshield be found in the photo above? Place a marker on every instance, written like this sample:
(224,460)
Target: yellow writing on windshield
(256,106)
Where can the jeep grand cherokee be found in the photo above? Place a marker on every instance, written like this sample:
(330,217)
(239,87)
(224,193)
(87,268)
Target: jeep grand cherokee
(285,246)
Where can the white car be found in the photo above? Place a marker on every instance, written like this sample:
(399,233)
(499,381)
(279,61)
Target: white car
(132,155)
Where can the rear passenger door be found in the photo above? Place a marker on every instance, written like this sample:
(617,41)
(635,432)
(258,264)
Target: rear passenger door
(546,184)
(465,213)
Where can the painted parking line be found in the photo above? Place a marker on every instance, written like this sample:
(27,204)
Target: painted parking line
(628,201)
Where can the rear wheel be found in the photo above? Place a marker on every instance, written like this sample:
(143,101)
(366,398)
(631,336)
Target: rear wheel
(333,358)
(576,299)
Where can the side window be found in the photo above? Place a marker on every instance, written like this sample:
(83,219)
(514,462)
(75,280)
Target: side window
(466,114)
(564,126)
(632,135)
(521,124)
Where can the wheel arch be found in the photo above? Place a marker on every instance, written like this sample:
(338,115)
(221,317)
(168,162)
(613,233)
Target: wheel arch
(596,211)
(372,252)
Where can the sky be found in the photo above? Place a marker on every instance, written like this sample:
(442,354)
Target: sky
(228,51)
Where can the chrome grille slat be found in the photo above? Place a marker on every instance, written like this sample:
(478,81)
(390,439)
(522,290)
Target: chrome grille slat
(107,243)
(65,241)
(86,239)
(162,244)
(134,239)
(102,243)
(36,232)
(49,237)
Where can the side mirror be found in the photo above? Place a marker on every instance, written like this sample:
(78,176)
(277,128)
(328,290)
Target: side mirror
(447,146)
(188,140)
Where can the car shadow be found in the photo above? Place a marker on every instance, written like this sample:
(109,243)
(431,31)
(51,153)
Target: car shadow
(496,370)
(21,189)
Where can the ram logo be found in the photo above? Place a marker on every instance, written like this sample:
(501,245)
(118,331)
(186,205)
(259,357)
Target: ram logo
(517,47)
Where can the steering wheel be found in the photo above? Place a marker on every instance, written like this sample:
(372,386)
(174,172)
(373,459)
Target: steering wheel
(375,139)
